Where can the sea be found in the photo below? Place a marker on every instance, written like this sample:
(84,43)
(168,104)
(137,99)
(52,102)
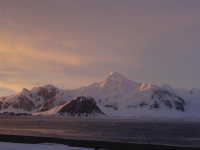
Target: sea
(182,131)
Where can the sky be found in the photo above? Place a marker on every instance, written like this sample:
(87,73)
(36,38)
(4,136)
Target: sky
(74,43)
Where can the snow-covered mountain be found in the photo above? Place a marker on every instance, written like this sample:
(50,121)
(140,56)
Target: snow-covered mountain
(119,96)
(114,96)
(60,99)
(30,101)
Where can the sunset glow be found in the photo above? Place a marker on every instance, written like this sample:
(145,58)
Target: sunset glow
(74,43)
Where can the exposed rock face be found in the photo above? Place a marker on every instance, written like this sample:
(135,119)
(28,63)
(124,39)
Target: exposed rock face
(154,105)
(170,99)
(44,94)
(81,106)
(28,101)
(47,93)
(143,104)
(58,100)
(161,96)
(51,104)
(22,103)
(112,106)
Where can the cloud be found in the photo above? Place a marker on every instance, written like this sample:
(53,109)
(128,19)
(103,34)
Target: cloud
(5,92)
(71,44)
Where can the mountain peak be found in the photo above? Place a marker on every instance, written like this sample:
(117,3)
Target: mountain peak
(49,86)
(24,89)
(115,76)
(114,73)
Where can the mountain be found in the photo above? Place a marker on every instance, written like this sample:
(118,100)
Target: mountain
(81,106)
(61,98)
(114,96)
(119,96)
(30,101)
(168,88)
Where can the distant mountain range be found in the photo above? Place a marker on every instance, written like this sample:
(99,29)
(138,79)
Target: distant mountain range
(115,96)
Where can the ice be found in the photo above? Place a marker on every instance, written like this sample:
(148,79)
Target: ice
(44,146)
(41,120)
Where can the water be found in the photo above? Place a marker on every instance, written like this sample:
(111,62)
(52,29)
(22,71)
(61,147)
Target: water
(173,132)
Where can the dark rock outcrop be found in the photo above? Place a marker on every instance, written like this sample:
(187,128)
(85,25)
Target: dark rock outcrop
(22,114)
(23,103)
(47,94)
(143,104)
(154,105)
(112,106)
(8,113)
(81,106)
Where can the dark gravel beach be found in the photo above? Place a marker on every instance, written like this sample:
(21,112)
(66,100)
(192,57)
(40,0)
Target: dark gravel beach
(173,132)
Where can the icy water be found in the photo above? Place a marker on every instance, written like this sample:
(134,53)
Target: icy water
(165,131)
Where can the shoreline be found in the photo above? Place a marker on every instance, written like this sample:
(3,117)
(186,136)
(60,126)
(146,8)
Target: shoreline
(110,145)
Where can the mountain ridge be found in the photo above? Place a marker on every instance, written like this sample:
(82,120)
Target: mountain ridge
(115,95)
